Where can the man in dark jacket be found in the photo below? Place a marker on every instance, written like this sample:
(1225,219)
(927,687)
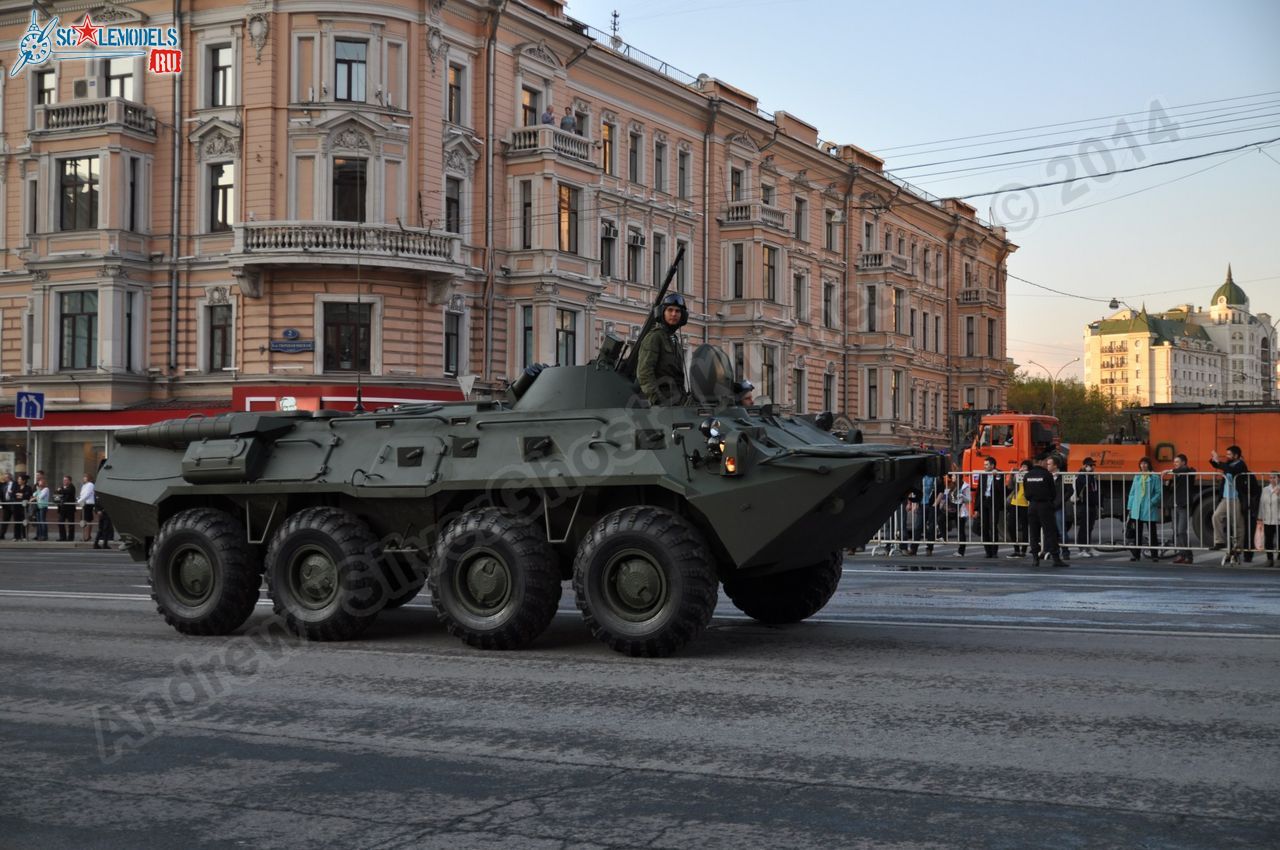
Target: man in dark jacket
(660,364)
(22,494)
(1042,515)
(7,486)
(1085,505)
(66,499)
(1228,516)
(988,504)
(1182,478)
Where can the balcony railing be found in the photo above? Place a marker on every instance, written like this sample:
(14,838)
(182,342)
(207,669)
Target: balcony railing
(346,238)
(527,140)
(755,212)
(883,261)
(979,296)
(94,114)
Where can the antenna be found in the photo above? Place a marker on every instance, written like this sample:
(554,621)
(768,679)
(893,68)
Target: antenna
(359,408)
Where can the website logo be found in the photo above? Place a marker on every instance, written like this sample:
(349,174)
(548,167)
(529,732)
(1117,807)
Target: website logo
(88,40)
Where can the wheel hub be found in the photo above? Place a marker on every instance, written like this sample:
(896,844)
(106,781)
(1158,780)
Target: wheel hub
(193,576)
(487,584)
(315,579)
(636,586)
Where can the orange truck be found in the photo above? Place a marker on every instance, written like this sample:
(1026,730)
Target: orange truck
(1161,432)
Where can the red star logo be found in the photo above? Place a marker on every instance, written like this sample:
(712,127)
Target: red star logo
(87,31)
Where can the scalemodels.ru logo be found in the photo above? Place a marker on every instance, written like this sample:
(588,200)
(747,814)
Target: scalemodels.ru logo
(94,41)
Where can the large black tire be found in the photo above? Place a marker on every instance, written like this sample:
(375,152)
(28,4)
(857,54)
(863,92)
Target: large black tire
(203,573)
(323,571)
(495,581)
(787,597)
(645,581)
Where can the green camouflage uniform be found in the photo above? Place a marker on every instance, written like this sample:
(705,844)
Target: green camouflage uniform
(660,367)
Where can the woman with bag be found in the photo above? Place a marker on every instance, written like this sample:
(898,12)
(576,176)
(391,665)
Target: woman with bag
(1144,509)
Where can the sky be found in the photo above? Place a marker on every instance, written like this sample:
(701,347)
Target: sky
(1109,85)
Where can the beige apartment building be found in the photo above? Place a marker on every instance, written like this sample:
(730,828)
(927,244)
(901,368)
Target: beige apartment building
(421,192)
(1223,353)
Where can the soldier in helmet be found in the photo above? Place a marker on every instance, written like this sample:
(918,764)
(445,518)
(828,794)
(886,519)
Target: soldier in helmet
(660,365)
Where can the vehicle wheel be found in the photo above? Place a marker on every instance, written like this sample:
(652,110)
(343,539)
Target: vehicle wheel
(1201,521)
(204,576)
(322,573)
(494,580)
(786,597)
(404,579)
(645,581)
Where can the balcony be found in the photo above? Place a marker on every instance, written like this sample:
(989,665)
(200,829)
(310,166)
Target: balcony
(883,261)
(544,139)
(344,243)
(979,296)
(112,113)
(753,213)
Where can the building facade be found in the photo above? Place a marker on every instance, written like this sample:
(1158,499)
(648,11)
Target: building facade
(433,196)
(1222,353)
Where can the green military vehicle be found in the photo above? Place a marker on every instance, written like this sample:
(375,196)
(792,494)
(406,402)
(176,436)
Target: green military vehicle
(571,476)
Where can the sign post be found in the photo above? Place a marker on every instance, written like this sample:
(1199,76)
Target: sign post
(29,406)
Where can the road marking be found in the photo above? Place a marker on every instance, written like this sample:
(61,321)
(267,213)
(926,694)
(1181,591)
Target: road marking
(963,572)
(840,621)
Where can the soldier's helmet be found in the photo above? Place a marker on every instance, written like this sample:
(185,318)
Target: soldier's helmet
(673,299)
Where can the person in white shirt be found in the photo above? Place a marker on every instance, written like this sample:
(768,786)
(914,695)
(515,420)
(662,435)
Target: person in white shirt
(87,498)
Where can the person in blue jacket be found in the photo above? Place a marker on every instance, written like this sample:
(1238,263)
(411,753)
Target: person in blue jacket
(1144,509)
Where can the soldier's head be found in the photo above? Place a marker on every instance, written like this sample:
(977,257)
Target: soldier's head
(673,312)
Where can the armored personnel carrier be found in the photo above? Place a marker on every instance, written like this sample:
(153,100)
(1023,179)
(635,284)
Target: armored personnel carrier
(571,476)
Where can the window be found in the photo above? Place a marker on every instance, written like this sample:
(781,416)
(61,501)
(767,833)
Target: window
(78,194)
(568,219)
(635,255)
(798,389)
(220,89)
(911,327)
(970,344)
(633,158)
(991,399)
(799,289)
(902,245)
(608,153)
(566,337)
(739,362)
(349,185)
(660,166)
(659,263)
(526,335)
(119,77)
(739,273)
(895,394)
(771,273)
(349,69)
(828,392)
(767,194)
(78,312)
(968,275)
(452,342)
(682,271)
(868,235)
(991,337)
(735,184)
(218,340)
(526,214)
(769,372)
(873,394)
(971,397)
(937,334)
(898,297)
(608,240)
(828,304)
(133,195)
(871,309)
(802,218)
(832,228)
(924,333)
(529,102)
(682,174)
(888,239)
(46,86)
(926,266)
(452,205)
(347,340)
(130,329)
(222,197)
(455,94)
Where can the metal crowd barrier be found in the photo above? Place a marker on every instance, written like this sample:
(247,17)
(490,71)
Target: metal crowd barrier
(1158,522)
(82,531)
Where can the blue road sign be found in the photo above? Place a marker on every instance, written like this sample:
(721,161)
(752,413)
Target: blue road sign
(29,406)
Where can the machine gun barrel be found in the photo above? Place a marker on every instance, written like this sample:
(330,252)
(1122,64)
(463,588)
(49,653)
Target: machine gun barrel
(628,366)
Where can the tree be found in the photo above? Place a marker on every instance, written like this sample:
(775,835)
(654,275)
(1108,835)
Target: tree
(1085,415)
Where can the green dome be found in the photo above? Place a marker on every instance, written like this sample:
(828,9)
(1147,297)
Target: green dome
(1235,295)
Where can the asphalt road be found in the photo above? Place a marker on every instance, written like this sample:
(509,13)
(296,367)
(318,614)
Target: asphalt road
(992,705)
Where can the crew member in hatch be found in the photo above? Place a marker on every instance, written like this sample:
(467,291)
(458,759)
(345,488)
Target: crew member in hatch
(660,365)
